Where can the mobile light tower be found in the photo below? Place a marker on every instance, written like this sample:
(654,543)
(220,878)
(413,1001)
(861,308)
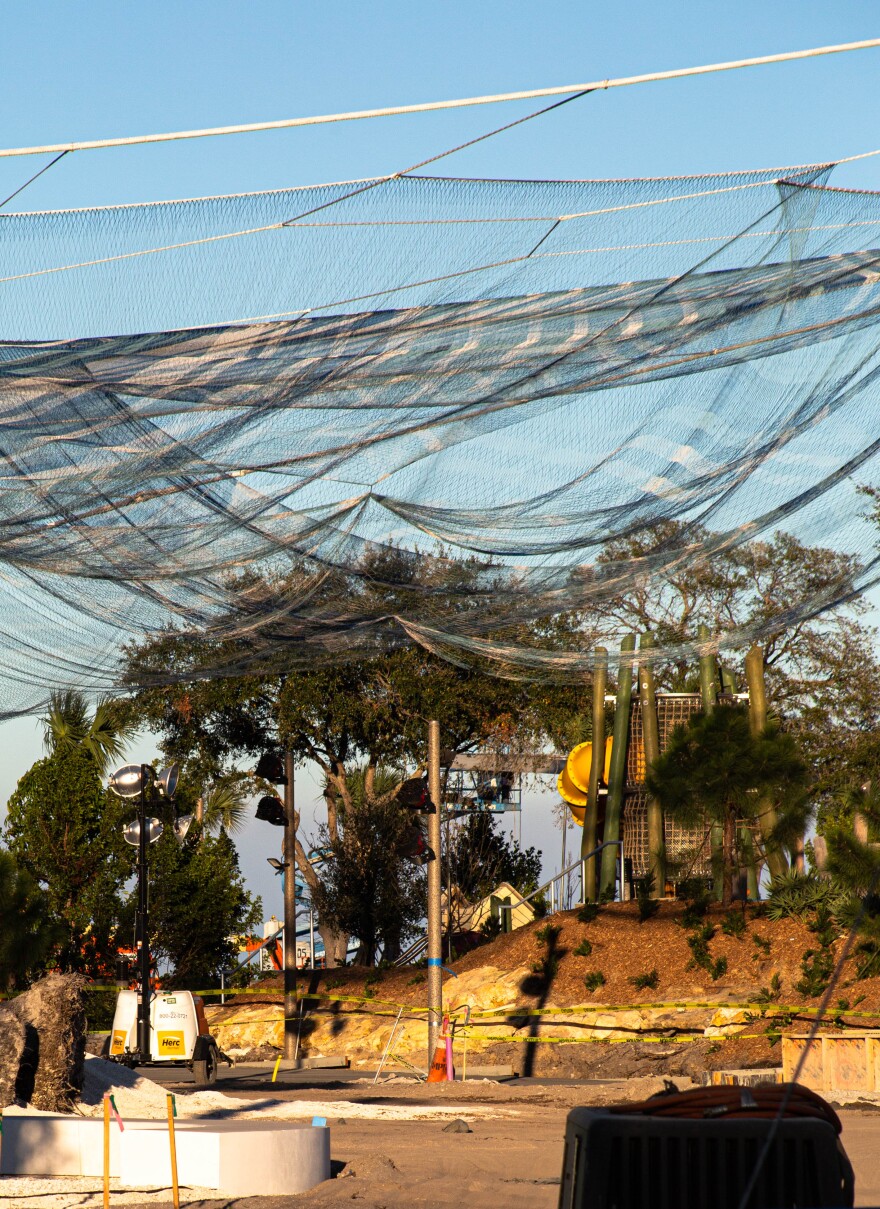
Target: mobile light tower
(142,783)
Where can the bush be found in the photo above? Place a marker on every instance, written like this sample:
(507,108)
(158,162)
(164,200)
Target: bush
(798,895)
(588,913)
(583,949)
(699,946)
(734,924)
(772,993)
(594,980)
(548,934)
(817,966)
(646,982)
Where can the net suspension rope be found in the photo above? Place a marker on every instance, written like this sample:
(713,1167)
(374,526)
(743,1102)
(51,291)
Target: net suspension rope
(433,106)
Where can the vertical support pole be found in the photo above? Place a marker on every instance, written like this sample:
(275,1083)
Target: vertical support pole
(709,695)
(564,817)
(708,673)
(289,859)
(172,1142)
(590,838)
(142,929)
(651,741)
(435,922)
(106,1150)
(728,681)
(617,771)
(767,819)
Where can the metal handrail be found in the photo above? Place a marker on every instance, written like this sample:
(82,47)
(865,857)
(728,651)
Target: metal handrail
(580,862)
(416,949)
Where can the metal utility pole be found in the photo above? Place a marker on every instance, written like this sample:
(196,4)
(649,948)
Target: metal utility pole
(617,771)
(289,860)
(435,923)
(590,837)
(142,937)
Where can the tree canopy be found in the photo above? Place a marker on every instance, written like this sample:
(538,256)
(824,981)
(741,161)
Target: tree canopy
(715,768)
(65,829)
(28,934)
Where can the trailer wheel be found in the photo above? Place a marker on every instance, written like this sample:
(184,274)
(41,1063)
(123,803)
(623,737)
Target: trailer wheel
(205,1069)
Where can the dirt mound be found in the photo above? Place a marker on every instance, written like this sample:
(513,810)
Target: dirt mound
(546,997)
(623,950)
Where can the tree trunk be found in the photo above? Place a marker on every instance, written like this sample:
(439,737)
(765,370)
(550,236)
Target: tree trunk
(728,856)
(335,946)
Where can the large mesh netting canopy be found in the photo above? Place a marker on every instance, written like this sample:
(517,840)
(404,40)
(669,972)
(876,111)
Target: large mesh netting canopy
(245,414)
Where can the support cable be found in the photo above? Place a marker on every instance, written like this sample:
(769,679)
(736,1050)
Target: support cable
(432,106)
(30,180)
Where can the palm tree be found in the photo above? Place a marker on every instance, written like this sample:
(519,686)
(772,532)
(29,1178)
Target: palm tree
(225,804)
(103,734)
(714,770)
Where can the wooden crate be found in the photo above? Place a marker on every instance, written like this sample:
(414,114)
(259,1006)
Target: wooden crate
(836,1061)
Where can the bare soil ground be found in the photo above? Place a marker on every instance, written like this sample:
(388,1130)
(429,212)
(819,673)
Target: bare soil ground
(510,1160)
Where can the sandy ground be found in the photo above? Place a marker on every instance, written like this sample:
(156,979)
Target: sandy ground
(512,1159)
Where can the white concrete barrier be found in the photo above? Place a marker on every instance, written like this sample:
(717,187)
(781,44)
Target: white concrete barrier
(239,1158)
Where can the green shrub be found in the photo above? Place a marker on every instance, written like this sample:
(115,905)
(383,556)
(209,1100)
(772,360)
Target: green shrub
(699,946)
(646,982)
(594,980)
(770,994)
(761,943)
(490,927)
(588,913)
(734,924)
(548,934)
(817,966)
(583,949)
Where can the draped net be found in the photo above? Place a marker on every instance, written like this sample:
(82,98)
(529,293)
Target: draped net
(324,422)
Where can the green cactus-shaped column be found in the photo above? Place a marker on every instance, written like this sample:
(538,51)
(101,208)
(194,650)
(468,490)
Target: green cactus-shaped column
(617,770)
(709,695)
(651,743)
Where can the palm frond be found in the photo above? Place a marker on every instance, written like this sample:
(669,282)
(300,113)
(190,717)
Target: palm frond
(66,723)
(225,803)
(109,733)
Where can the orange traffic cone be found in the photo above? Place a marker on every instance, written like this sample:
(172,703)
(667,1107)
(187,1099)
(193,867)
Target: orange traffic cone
(441,1068)
(437,1073)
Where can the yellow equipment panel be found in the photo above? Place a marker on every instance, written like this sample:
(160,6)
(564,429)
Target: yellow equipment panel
(171,1044)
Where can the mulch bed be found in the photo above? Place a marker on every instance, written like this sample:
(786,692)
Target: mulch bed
(622,949)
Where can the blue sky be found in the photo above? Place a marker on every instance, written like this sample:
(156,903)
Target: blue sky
(109,69)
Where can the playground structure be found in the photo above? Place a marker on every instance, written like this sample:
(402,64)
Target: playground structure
(607,794)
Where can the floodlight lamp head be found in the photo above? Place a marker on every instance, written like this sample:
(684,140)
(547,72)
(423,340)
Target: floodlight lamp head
(271,810)
(166,782)
(131,832)
(278,866)
(270,767)
(181,826)
(127,781)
